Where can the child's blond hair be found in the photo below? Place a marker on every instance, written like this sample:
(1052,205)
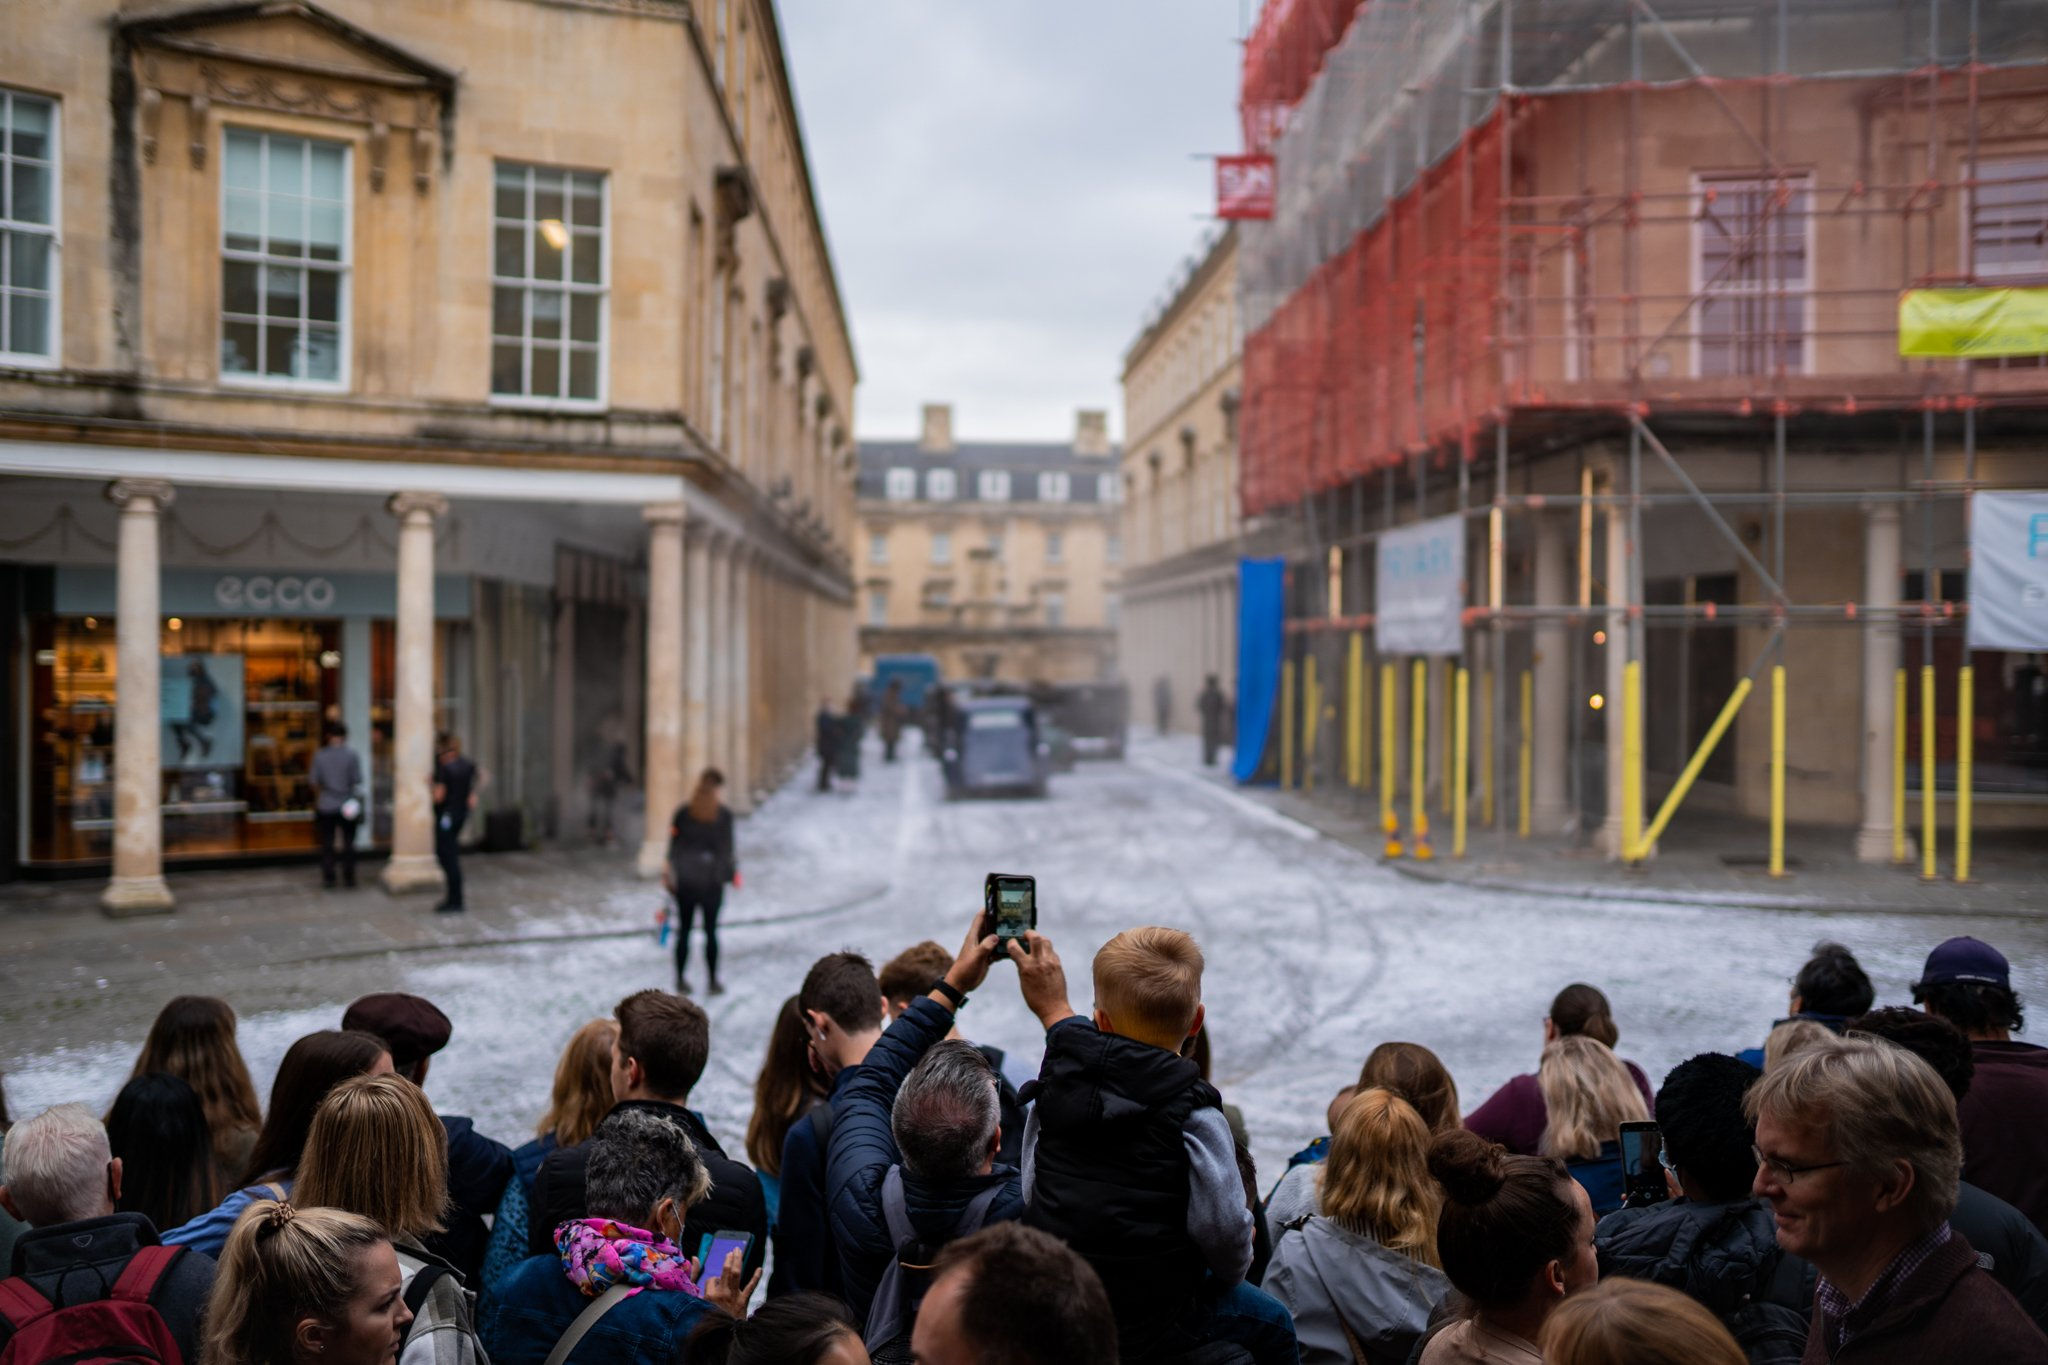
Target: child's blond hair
(1149,982)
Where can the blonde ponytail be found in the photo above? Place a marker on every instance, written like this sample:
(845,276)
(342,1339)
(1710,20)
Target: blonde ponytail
(282,1264)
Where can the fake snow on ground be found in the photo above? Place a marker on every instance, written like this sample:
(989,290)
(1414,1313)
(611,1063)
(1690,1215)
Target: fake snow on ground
(1315,954)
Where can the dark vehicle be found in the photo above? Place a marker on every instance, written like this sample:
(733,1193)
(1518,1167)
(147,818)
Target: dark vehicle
(994,748)
(1093,716)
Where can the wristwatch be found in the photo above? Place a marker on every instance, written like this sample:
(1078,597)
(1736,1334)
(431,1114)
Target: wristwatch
(951,992)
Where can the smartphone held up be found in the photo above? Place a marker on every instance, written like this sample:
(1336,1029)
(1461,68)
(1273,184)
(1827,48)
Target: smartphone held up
(1009,904)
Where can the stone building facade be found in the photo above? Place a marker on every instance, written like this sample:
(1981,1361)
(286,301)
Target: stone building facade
(998,557)
(475,364)
(1181,382)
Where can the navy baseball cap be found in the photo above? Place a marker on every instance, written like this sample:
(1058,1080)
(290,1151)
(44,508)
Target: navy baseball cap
(1966,960)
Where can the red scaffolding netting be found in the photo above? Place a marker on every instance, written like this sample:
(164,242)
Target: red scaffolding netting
(1281,58)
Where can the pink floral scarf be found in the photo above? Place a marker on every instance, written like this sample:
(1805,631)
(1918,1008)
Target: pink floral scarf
(598,1253)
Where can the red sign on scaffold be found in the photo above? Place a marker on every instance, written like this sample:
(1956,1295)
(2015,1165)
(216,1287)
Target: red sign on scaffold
(1244,187)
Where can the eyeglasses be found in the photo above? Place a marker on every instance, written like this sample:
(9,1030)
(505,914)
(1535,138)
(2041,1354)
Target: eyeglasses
(1784,1171)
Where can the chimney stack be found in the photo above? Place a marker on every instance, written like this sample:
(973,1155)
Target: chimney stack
(938,429)
(1091,432)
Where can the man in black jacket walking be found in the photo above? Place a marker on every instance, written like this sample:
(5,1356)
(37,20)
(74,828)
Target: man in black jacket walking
(664,1041)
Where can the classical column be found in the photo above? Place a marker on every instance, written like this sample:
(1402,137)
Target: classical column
(1549,801)
(739,791)
(412,866)
(697,683)
(137,886)
(663,766)
(720,752)
(1615,656)
(1880,667)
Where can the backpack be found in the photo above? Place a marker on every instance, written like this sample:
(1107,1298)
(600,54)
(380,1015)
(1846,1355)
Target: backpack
(121,1329)
(908,1275)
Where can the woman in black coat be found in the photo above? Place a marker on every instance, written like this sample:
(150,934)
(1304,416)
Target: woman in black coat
(700,864)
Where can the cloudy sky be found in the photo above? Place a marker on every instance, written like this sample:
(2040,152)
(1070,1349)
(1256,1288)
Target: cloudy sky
(1008,186)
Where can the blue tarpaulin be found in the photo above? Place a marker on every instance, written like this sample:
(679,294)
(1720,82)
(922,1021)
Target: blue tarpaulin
(1261,609)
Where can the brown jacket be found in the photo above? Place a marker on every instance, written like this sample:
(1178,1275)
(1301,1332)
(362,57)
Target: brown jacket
(1948,1312)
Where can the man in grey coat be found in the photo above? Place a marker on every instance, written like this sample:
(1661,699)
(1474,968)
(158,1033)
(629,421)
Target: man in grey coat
(337,780)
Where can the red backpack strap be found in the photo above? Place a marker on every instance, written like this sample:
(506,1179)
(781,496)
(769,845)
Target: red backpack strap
(144,1272)
(21,1305)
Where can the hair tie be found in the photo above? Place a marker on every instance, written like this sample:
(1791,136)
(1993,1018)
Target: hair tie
(282,1213)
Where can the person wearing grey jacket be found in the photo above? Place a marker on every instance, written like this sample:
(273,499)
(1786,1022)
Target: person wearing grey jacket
(337,781)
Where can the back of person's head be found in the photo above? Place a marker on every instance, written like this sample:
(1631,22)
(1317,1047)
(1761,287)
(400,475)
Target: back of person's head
(1418,1076)
(1148,982)
(1504,1218)
(1790,1037)
(1706,1134)
(1588,1094)
(784,1091)
(582,1093)
(1013,1295)
(1929,1037)
(56,1165)
(704,797)
(639,1159)
(1376,1179)
(669,1036)
(1879,1104)
(1833,982)
(1635,1322)
(1974,1006)
(193,1038)
(911,972)
(377,1148)
(946,1113)
(312,1066)
(795,1329)
(843,988)
(157,1128)
(1580,1008)
(283,1265)
(413,1028)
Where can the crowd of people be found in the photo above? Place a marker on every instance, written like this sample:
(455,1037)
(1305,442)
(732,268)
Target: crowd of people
(1869,1185)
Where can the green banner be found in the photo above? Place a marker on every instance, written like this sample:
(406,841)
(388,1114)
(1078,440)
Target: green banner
(1973,322)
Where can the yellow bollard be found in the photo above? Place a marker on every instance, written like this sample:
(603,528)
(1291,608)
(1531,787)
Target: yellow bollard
(1777,770)
(1354,712)
(1444,796)
(1390,741)
(1631,760)
(1365,739)
(1966,753)
(1899,854)
(1418,761)
(1311,712)
(1486,748)
(1287,723)
(1528,754)
(1929,863)
(1461,753)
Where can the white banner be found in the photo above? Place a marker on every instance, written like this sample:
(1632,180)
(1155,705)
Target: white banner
(1420,600)
(2009,571)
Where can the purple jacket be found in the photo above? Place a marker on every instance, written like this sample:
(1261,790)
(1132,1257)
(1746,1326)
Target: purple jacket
(1515,1117)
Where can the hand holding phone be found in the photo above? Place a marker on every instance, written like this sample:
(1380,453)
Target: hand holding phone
(1642,1166)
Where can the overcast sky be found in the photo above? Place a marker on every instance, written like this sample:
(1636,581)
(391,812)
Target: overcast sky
(1007,187)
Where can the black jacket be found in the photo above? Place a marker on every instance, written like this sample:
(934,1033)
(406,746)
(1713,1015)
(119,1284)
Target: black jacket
(478,1168)
(700,856)
(72,1263)
(2008,1245)
(1726,1257)
(735,1201)
(1111,1175)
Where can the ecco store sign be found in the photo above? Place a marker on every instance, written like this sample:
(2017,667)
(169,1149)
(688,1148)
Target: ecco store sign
(262,592)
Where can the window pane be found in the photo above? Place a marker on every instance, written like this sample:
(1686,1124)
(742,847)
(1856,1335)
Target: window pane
(547,257)
(546,376)
(586,266)
(244,221)
(238,348)
(323,354)
(583,373)
(28,260)
(284,164)
(583,311)
(242,166)
(586,207)
(28,325)
(323,296)
(508,311)
(284,225)
(547,314)
(281,286)
(509,253)
(31,125)
(505,364)
(238,287)
(510,201)
(324,230)
(30,200)
(327,158)
(547,195)
(279,344)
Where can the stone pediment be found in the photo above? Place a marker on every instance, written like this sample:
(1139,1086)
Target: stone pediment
(289,57)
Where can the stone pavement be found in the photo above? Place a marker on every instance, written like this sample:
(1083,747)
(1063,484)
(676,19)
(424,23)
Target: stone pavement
(1702,858)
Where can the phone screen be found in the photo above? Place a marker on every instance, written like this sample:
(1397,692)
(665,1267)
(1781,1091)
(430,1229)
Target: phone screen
(716,1247)
(1642,1172)
(1016,906)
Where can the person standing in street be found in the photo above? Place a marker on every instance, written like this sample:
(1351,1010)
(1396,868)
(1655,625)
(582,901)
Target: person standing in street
(700,865)
(337,778)
(825,735)
(455,783)
(1162,703)
(1213,707)
(889,718)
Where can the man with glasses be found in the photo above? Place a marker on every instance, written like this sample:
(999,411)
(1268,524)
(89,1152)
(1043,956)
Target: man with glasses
(1713,1240)
(1858,1153)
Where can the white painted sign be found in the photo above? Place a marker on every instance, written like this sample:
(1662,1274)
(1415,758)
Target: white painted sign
(2009,571)
(1419,604)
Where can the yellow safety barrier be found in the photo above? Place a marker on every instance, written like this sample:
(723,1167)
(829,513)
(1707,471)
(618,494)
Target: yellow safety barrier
(1631,760)
(1461,721)
(1929,863)
(1966,753)
(1287,722)
(1899,853)
(1354,708)
(1444,718)
(1692,768)
(1486,748)
(1528,754)
(1365,740)
(1777,770)
(1390,731)
(1311,716)
(1418,762)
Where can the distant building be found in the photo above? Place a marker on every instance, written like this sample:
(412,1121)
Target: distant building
(999,557)
(1180,524)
